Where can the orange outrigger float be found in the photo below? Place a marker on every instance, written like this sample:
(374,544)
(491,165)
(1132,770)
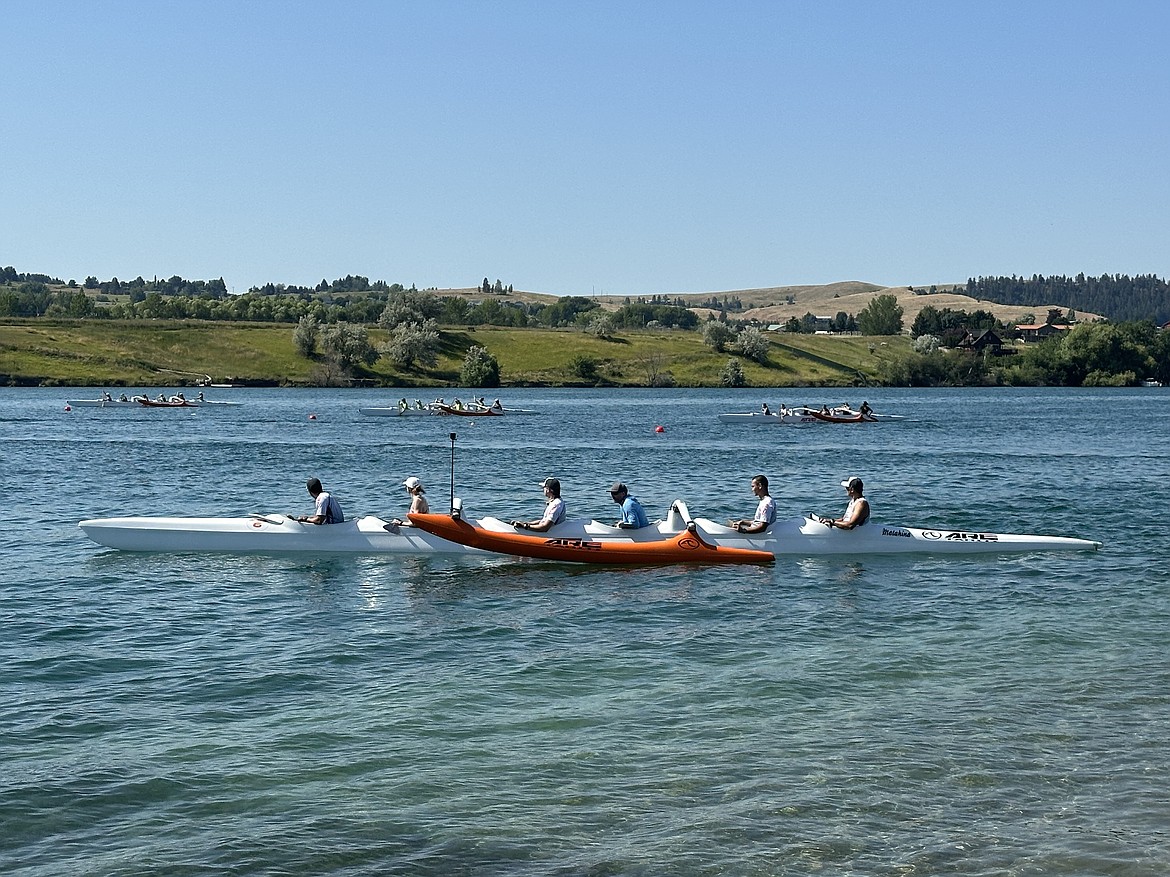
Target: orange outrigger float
(684,547)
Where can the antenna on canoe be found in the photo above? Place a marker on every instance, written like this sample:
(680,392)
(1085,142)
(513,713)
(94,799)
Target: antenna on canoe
(452,474)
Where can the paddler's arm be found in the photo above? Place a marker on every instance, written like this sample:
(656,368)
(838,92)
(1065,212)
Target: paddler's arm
(751,526)
(852,521)
(538,526)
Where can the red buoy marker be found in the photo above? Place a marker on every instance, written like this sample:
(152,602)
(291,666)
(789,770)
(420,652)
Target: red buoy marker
(660,428)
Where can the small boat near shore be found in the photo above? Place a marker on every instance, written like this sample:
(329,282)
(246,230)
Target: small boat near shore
(784,417)
(103,403)
(141,401)
(839,416)
(803,415)
(435,409)
(169,403)
(265,534)
(470,411)
(396,411)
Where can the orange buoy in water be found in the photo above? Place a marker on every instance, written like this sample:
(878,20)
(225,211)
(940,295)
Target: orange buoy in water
(660,428)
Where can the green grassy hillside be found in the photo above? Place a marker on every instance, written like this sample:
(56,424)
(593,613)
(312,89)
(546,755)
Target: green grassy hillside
(172,353)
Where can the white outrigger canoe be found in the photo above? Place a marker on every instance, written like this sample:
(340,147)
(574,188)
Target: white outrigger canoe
(788,417)
(804,415)
(441,411)
(396,411)
(103,403)
(265,534)
(808,535)
(140,402)
(800,536)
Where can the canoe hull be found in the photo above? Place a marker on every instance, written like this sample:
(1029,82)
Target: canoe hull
(264,534)
(153,403)
(440,411)
(101,403)
(703,540)
(572,542)
(393,411)
(799,416)
(802,536)
(806,537)
(759,418)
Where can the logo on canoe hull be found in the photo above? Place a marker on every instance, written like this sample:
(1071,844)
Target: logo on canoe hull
(574,543)
(887,531)
(959,536)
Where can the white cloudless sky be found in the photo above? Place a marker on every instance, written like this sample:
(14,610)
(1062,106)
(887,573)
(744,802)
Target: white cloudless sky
(626,148)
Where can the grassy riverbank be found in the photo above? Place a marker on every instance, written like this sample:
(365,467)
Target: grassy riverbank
(176,353)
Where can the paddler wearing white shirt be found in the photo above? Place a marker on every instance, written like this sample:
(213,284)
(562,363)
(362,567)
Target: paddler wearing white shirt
(765,511)
(857,512)
(554,509)
(328,510)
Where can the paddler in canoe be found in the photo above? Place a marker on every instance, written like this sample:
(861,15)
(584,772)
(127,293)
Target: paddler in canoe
(633,515)
(765,511)
(554,509)
(418,501)
(857,512)
(326,508)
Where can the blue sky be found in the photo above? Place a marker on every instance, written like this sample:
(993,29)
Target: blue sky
(577,148)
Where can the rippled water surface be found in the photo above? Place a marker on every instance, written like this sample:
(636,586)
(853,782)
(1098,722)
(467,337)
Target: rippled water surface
(192,714)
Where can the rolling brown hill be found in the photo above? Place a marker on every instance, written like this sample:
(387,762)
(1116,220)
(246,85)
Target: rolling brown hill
(771,304)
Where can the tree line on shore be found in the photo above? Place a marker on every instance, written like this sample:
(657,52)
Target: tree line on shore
(1116,296)
(331,319)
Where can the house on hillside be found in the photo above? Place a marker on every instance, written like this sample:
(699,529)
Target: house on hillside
(986,342)
(1039,331)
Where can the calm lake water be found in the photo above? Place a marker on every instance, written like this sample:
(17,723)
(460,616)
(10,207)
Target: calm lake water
(179,715)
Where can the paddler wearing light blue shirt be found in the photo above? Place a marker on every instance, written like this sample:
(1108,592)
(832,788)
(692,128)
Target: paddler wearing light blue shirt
(633,515)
